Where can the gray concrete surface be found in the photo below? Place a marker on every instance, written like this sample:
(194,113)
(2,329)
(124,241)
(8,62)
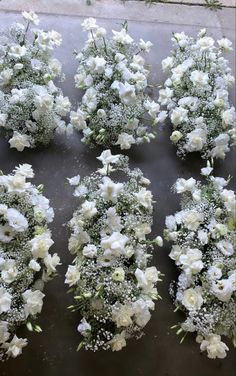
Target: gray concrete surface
(159,353)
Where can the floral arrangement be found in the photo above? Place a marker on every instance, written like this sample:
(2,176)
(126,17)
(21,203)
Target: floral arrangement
(31,106)
(196,95)
(203,233)
(113,286)
(114,76)
(25,263)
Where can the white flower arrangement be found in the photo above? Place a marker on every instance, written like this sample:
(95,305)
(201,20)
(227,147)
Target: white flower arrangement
(203,233)
(196,95)
(25,263)
(114,76)
(114,288)
(31,106)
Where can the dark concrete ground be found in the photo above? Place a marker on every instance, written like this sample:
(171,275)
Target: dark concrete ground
(158,353)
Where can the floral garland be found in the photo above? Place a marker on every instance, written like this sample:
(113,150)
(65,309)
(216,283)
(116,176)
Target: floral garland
(196,95)
(25,264)
(113,287)
(113,74)
(203,233)
(31,106)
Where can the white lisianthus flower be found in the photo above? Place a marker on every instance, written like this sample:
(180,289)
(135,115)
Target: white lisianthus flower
(165,95)
(84,327)
(78,119)
(118,342)
(144,197)
(4,334)
(96,64)
(10,271)
(192,299)
(127,93)
(214,273)
(118,275)
(25,170)
(114,245)
(141,312)
(5,76)
(145,46)
(183,185)
(88,209)
(90,251)
(191,261)
(51,262)
(199,79)
(40,245)
(122,316)
(225,247)
(167,63)
(107,158)
(179,115)
(125,141)
(5,300)
(3,118)
(196,139)
(152,108)
(122,37)
(14,348)
(142,230)
(19,141)
(17,51)
(214,346)
(72,275)
(62,105)
(89,24)
(16,220)
(205,43)
(31,17)
(228,116)
(192,219)
(33,302)
(110,190)
(225,44)
(34,265)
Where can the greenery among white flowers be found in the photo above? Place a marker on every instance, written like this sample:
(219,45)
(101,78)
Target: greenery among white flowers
(113,286)
(31,106)
(115,108)
(203,233)
(196,95)
(25,263)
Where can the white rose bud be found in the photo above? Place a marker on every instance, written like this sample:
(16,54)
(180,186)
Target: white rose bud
(176,136)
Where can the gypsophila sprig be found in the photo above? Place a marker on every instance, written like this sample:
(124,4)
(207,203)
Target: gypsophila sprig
(31,106)
(197,97)
(25,263)
(203,233)
(114,288)
(115,108)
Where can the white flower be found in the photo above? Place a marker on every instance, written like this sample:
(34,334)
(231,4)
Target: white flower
(199,79)
(147,278)
(225,44)
(3,118)
(125,140)
(90,99)
(214,273)
(214,346)
(78,119)
(62,105)
(75,180)
(127,93)
(6,233)
(4,334)
(5,76)
(183,185)
(34,265)
(72,275)
(96,64)
(110,190)
(152,108)
(14,348)
(89,24)
(192,299)
(33,302)
(144,197)
(25,170)
(107,158)
(10,272)
(141,312)
(165,95)
(118,342)
(196,139)
(176,252)
(192,219)
(145,46)
(88,209)
(228,116)
(16,220)
(122,37)
(167,63)
(191,261)
(40,245)
(205,171)
(142,230)
(223,289)
(205,43)
(17,51)
(176,136)
(114,245)
(51,262)
(19,141)
(179,115)
(202,236)
(84,327)
(31,17)
(90,251)
(5,300)
(113,221)
(122,316)
(159,241)
(225,247)
(118,275)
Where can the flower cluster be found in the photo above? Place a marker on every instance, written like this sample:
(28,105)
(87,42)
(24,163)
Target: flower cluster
(113,286)
(25,263)
(196,95)
(203,233)
(31,106)
(114,76)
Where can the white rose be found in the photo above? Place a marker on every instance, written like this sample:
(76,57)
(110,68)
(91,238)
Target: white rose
(144,197)
(118,342)
(90,251)
(5,76)
(89,24)
(96,64)
(72,275)
(33,302)
(192,219)
(192,299)
(122,316)
(199,78)
(78,119)
(10,272)
(225,247)
(202,236)
(223,289)
(179,115)
(5,300)
(214,273)
(62,105)
(17,51)
(205,43)
(88,209)
(228,116)
(142,230)
(3,118)
(191,261)
(196,139)
(40,244)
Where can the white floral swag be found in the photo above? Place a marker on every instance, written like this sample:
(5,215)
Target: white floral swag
(25,261)
(31,106)
(203,233)
(197,95)
(115,107)
(113,285)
